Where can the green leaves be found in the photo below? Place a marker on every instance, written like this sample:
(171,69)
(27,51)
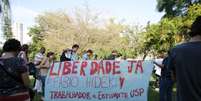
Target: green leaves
(173,8)
(160,37)
(36,34)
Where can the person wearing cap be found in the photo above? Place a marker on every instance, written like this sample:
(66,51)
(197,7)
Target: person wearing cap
(185,62)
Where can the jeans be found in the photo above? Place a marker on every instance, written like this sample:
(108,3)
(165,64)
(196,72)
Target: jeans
(166,86)
(43,84)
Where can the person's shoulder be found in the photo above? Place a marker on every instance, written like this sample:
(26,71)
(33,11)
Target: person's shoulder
(15,61)
(180,46)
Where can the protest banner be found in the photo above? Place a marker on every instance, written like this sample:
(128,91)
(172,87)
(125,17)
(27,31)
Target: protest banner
(98,81)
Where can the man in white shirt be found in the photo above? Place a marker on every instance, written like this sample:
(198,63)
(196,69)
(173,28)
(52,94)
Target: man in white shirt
(39,56)
(37,60)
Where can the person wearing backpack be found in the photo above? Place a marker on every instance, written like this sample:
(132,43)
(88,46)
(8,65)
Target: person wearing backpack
(14,79)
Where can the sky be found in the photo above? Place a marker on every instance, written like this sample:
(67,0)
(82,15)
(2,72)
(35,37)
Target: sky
(129,11)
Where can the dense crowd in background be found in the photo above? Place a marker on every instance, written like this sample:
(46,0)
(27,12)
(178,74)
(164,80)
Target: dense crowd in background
(181,65)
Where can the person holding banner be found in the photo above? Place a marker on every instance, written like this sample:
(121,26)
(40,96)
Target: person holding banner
(70,54)
(88,55)
(185,61)
(66,55)
(165,82)
(74,55)
(113,55)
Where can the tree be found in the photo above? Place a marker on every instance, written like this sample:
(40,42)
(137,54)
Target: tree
(5,12)
(174,8)
(60,31)
(168,32)
(37,38)
(161,37)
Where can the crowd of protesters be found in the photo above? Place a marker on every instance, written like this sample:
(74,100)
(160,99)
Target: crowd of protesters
(181,65)
(16,68)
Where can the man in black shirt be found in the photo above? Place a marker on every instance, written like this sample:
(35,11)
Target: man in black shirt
(185,61)
(166,81)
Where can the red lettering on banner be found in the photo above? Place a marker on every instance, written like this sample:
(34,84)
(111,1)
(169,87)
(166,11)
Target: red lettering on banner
(74,68)
(94,68)
(135,64)
(55,73)
(51,70)
(82,71)
(131,66)
(116,67)
(139,67)
(59,68)
(121,79)
(108,67)
(101,68)
(66,68)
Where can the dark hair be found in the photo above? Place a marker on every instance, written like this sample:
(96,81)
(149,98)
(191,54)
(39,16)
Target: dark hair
(25,47)
(196,27)
(75,46)
(50,54)
(12,45)
(89,51)
(114,51)
(42,48)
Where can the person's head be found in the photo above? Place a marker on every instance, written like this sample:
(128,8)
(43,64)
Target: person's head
(89,52)
(64,51)
(12,45)
(42,50)
(25,48)
(50,55)
(119,55)
(114,52)
(162,55)
(95,56)
(75,47)
(196,27)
